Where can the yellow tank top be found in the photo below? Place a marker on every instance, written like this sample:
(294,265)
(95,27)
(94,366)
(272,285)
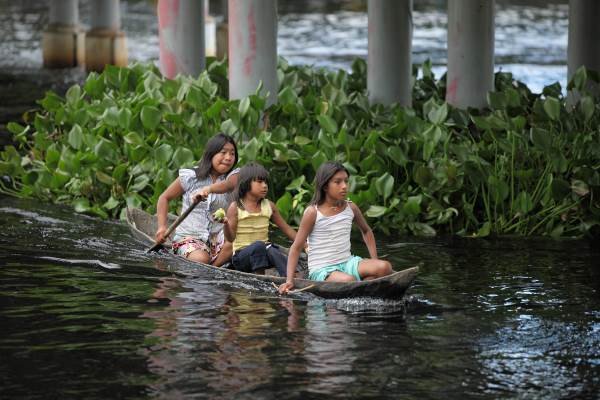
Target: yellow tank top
(252,226)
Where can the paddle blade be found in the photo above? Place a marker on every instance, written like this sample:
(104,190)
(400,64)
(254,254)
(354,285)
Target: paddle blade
(157,247)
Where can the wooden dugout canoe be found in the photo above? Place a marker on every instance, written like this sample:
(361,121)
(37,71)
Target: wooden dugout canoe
(143,226)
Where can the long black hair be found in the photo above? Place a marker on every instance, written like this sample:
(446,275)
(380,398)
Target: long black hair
(249,172)
(213,146)
(324,174)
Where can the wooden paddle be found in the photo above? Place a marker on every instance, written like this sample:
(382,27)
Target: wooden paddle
(174,225)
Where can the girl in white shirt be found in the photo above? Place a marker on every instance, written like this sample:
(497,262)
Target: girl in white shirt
(327,224)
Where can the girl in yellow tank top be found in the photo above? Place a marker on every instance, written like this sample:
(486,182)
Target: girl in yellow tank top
(247,224)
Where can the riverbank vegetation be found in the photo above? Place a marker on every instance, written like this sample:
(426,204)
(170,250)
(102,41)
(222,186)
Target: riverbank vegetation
(529,164)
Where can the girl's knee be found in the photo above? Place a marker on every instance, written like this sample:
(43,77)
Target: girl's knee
(199,256)
(385,268)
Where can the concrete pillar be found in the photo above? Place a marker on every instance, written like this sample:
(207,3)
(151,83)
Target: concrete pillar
(63,41)
(252,48)
(470,52)
(389,66)
(210,32)
(223,32)
(181,37)
(105,43)
(584,36)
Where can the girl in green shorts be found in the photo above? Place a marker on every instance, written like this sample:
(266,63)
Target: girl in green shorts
(327,223)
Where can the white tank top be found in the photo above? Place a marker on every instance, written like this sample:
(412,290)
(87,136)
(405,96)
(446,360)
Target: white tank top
(329,241)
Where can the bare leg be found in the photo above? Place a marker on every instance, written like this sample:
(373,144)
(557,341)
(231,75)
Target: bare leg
(199,256)
(373,268)
(339,276)
(224,255)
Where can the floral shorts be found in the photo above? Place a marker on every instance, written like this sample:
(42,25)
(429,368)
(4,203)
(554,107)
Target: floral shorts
(184,246)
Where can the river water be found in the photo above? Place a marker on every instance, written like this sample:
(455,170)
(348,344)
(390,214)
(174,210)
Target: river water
(86,313)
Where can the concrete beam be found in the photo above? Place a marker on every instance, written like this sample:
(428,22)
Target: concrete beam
(252,48)
(105,43)
(63,40)
(389,66)
(181,37)
(470,52)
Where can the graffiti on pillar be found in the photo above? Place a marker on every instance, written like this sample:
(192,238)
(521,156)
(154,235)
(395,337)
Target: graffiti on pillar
(168,10)
(251,56)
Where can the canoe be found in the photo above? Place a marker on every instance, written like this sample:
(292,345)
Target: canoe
(144,225)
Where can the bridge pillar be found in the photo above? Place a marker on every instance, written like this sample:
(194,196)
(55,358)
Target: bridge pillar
(181,37)
(222,32)
(63,39)
(105,43)
(584,36)
(470,52)
(389,67)
(253,48)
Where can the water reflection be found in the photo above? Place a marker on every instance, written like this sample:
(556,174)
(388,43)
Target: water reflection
(487,319)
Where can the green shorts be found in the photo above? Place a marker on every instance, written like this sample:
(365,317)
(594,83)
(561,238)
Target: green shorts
(350,267)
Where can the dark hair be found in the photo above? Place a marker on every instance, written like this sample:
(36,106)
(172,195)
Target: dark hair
(324,174)
(213,146)
(249,172)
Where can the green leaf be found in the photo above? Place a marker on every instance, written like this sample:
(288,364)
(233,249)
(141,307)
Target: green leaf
(301,140)
(75,137)
(580,188)
(317,159)
(73,95)
(397,155)
(327,123)
(124,118)
(296,184)
(104,178)
(587,107)
(244,106)
(284,205)
(81,205)
(140,182)
(541,138)
(552,108)
(423,176)
(412,205)
(163,153)
(111,203)
(134,139)
(385,185)
(150,117)
(183,157)
(524,203)
(375,211)
(438,114)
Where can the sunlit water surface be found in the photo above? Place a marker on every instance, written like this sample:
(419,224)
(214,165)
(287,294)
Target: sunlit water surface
(86,313)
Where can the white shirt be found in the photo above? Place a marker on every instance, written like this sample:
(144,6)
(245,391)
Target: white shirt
(329,241)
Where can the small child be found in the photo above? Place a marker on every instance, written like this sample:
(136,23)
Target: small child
(247,224)
(327,223)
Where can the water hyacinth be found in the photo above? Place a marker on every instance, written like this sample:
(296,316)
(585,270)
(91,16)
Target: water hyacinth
(526,165)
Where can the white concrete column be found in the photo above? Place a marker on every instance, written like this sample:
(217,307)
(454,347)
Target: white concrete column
(222,32)
(470,52)
(252,48)
(584,36)
(210,32)
(182,37)
(105,43)
(389,66)
(63,39)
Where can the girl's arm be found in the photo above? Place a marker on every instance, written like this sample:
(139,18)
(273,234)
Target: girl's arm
(366,231)
(230,222)
(280,222)
(306,226)
(174,191)
(224,186)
